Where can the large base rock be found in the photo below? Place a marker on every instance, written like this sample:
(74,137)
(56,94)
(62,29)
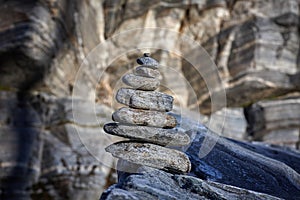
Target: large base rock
(155,184)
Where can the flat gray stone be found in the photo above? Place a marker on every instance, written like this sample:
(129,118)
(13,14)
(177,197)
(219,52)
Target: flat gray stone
(160,136)
(147,72)
(148,100)
(148,61)
(151,155)
(140,82)
(144,117)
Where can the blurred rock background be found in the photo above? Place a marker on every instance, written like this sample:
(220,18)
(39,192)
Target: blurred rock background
(255,45)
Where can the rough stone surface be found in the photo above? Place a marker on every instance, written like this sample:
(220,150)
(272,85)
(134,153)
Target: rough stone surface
(144,117)
(249,168)
(140,83)
(169,137)
(145,100)
(39,137)
(151,155)
(266,170)
(275,115)
(255,45)
(148,62)
(147,72)
(151,184)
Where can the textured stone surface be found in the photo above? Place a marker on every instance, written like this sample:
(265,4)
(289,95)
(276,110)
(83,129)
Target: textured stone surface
(147,72)
(145,100)
(255,45)
(270,115)
(148,62)
(230,121)
(140,83)
(151,155)
(144,117)
(155,184)
(43,158)
(170,137)
(268,170)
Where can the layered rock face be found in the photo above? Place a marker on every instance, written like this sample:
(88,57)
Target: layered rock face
(255,45)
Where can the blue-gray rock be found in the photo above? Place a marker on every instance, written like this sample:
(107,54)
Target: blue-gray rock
(140,82)
(149,184)
(144,117)
(147,100)
(170,137)
(151,155)
(245,165)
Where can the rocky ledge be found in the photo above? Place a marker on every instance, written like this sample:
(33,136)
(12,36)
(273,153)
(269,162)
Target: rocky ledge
(232,170)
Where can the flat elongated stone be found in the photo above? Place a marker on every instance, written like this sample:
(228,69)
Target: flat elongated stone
(151,155)
(148,61)
(144,117)
(140,82)
(170,137)
(147,72)
(149,100)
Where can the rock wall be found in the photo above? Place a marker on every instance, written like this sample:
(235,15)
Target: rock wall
(255,45)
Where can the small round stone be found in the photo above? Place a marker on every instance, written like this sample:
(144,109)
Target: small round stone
(148,61)
(140,83)
(146,54)
(146,72)
(144,117)
(147,100)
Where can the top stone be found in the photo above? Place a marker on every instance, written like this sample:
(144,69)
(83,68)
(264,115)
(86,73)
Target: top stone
(147,61)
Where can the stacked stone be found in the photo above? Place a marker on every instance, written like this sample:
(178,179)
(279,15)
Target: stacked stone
(146,123)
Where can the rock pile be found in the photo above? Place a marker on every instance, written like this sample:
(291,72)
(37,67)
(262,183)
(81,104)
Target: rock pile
(146,123)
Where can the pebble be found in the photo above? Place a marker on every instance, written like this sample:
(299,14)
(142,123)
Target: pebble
(140,82)
(160,136)
(144,117)
(151,155)
(147,72)
(147,100)
(148,62)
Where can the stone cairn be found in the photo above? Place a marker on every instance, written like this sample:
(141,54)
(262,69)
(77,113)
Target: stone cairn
(146,123)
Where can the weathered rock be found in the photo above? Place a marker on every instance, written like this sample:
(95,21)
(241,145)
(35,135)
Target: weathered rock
(147,72)
(151,155)
(148,62)
(269,115)
(144,117)
(151,184)
(145,99)
(265,170)
(230,121)
(140,82)
(170,137)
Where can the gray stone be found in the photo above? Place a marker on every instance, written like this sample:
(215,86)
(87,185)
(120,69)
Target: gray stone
(145,99)
(149,184)
(269,170)
(144,117)
(141,83)
(147,72)
(151,155)
(269,115)
(170,137)
(148,61)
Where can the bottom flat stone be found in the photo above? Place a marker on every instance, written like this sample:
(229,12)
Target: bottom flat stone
(151,155)
(170,137)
